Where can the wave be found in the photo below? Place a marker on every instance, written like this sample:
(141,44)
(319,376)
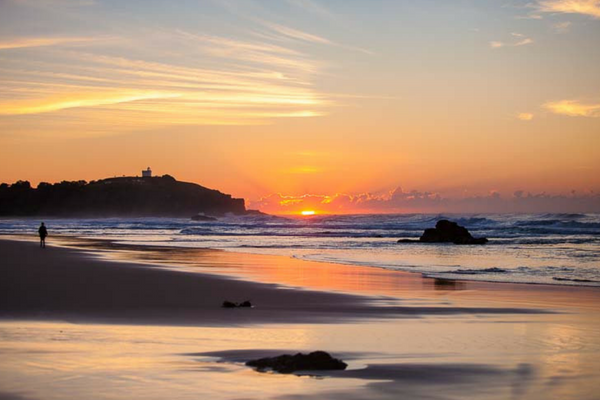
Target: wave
(560,223)
(492,270)
(574,280)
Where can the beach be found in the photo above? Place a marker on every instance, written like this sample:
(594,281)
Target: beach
(98,320)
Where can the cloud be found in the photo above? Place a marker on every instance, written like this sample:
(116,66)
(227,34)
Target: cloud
(398,201)
(573,108)
(521,40)
(239,82)
(296,34)
(55,3)
(586,7)
(17,43)
(525,116)
(238,76)
(314,8)
(76,100)
(562,27)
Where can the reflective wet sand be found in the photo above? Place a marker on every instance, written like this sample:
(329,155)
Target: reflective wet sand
(483,355)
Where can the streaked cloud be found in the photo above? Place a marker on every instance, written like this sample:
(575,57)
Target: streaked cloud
(520,40)
(296,34)
(573,108)
(75,100)
(313,7)
(243,81)
(302,36)
(17,43)
(586,7)
(525,116)
(55,3)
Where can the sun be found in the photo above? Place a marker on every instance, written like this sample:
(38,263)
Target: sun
(308,212)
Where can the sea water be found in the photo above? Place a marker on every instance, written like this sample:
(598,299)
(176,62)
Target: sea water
(559,249)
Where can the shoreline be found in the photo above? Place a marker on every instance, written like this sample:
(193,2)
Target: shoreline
(147,284)
(112,245)
(535,294)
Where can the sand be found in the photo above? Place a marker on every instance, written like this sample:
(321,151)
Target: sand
(97,320)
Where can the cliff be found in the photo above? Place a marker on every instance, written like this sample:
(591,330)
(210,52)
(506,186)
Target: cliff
(115,197)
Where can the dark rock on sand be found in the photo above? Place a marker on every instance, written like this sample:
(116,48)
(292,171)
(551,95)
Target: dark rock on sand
(447,232)
(286,364)
(230,304)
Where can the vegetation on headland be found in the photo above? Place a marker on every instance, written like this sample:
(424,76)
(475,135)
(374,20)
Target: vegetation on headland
(116,197)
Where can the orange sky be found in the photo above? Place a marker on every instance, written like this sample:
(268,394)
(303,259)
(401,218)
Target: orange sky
(276,101)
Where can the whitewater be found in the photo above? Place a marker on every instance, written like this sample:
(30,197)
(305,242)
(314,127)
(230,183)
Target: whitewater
(557,249)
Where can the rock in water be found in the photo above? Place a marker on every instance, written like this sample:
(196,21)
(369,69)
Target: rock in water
(449,232)
(286,364)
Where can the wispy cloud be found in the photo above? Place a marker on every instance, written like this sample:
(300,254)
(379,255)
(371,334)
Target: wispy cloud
(314,7)
(525,116)
(244,82)
(247,75)
(562,27)
(74,100)
(16,43)
(586,7)
(520,40)
(296,34)
(55,3)
(301,36)
(573,108)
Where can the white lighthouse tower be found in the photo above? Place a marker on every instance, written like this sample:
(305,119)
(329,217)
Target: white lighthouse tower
(147,173)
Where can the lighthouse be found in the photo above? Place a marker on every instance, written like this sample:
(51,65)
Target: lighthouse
(147,173)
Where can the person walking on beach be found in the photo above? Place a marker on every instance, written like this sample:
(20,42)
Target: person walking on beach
(43,233)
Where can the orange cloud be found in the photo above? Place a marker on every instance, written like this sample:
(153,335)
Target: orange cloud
(521,41)
(398,201)
(17,43)
(525,116)
(587,7)
(75,100)
(573,108)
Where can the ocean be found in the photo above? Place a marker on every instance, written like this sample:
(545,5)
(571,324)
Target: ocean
(556,249)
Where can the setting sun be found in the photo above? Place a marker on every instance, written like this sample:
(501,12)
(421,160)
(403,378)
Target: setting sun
(308,212)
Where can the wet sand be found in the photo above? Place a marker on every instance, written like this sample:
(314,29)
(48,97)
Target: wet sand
(77,324)
(66,284)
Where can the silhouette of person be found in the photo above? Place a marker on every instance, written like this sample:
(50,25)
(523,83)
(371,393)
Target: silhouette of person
(43,233)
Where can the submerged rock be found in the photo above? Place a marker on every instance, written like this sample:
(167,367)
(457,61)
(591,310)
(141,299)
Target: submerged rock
(447,232)
(286,363)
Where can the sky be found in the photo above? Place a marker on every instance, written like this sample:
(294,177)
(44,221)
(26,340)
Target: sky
(339,106)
